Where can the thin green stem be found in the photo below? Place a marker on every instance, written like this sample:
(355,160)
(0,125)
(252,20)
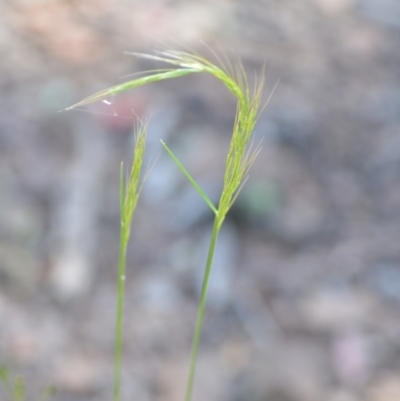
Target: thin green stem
(129,194)
(190,178)
(239,159)
(200,313)
(120,313)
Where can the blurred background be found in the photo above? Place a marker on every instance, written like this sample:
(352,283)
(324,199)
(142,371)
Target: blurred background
(305,292)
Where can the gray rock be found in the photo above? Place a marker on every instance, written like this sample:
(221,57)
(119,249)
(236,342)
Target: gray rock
(384,278)
(160,293)
(386,12)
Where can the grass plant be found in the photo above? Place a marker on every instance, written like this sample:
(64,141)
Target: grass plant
(240,156)
(129,192)
(16,389)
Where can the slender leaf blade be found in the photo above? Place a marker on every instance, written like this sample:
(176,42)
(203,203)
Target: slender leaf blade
(114,90)
(190,178)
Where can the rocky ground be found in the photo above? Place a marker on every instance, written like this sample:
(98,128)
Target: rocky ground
(305,293)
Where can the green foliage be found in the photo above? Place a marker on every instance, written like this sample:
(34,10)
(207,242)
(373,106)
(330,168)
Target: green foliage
(4,374)
(190,179)
(16,388)
(129,196)
(240,156)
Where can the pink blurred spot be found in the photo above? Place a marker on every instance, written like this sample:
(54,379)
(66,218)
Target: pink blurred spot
(122,112)
(350,358)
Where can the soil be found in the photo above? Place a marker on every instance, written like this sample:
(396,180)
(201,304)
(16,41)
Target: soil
(304,301)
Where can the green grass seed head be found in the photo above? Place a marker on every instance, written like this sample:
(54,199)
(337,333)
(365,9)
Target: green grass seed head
(240,156)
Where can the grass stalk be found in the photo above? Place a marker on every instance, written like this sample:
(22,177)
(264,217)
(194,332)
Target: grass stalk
(129,196)
(201,309)
(239,159)
(120,315)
